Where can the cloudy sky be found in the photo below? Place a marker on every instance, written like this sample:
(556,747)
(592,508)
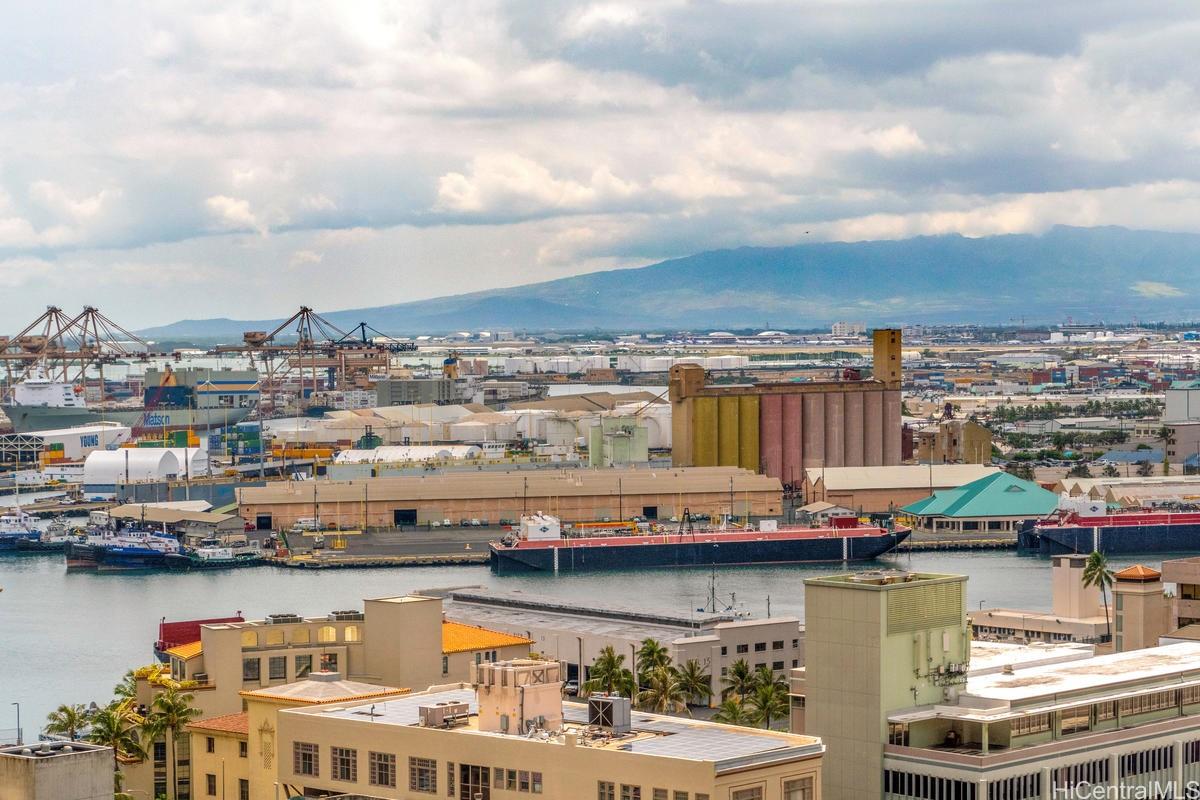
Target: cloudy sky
(238,159)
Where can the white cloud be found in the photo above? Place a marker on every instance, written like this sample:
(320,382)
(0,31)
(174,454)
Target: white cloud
(1156,289)
(302,258)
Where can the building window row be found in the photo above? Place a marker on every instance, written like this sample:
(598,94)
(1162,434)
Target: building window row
(1018,787)
(277,666)
(1034,723)
(607,790)
(1089,772)
(926,787)
(276,637)
(516,780)
(1152,760)
(1147,703)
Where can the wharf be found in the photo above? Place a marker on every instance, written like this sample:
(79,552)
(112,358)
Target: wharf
(329,561)
(957,544)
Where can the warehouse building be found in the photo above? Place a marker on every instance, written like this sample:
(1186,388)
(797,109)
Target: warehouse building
(571,495)
(779,429)
(881,489)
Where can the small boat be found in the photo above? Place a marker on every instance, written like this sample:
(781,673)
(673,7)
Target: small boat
(16,527)
(213,554)
(53,538)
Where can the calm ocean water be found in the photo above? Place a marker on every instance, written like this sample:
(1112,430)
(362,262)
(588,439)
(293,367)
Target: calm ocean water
(67,638)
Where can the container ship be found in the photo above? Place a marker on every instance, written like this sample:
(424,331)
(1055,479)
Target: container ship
(539,546)
(184,399)
(1130,532)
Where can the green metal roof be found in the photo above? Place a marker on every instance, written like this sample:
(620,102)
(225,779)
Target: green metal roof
(998,495)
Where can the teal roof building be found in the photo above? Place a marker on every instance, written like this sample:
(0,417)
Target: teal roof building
(998,502)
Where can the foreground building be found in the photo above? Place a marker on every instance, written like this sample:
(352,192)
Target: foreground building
(509,734)
(905,713)
(56,771)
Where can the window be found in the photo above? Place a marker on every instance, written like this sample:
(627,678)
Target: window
(498,777)
(798,789)
(724,671)
(535,779)
(760,665)
(630,792)
(351,634)
(606,790)
(777,645)
(249,639)
(478,657)
(243,789)
(1120,598)
(523,781)
(660,794)
(680,795)
(1146,703)
(301,636)
(1076,719)
(511,780)
(251,669)
(776,665)
(160,753)
(1034,723)
(445,665)
(743,648)
(422,775)
(327,633)
(277,668)
(210,744)
(381,769)
(328,662)
(303,666)
(243,749)
(275,636)
(450,778)
(344,763)
(795,642)
(1189,695)
(760,647)
(753,793)
(724,650)
(306,759)
(210,785)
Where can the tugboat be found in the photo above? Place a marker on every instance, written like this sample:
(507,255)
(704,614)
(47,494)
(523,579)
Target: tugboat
(16,527)
(53,538)
(109,550)
(213,554)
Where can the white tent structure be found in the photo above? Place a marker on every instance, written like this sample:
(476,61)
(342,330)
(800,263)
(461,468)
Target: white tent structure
(130,465)
(193,462)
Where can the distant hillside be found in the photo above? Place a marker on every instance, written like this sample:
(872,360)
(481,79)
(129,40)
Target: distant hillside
(1085,273)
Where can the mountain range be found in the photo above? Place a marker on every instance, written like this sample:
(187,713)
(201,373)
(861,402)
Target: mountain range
(1090,274)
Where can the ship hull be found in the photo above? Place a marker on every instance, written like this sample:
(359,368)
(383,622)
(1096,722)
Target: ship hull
(182,561)
(1111,539)
(585,557)
(11,543)
(112,559)
(31,419)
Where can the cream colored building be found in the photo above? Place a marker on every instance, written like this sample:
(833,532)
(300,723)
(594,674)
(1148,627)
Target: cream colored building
(56,771)
(490,746)
(1076,611)
(882,489)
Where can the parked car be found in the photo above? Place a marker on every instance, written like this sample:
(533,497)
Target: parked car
(571,688)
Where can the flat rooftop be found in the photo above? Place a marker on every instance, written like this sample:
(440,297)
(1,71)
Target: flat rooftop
(882,579)
(723,746)
(519,600)
(989,657)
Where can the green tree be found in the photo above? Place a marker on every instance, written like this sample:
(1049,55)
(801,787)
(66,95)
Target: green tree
(116,726)
(1145,469)
(1079,470)
(739,682)
(170,712)
(768,701)
(651,655)
(609,675)
(663,693)
(1111,471)
(696,682)
(1020,469)
(732,712)
(67,720)
(1097,573)
(127,688)
(765,676)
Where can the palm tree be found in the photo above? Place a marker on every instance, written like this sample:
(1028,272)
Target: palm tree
(116,726)
(608,674)
(664,693)
(739,681)
(127,688)
(765,676)
(732,712)
(170,712)
(1096,573)
(768,701)
(650,656)
(695,681)
(67,721)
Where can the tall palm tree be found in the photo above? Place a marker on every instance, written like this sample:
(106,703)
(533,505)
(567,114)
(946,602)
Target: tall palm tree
(765,676)
(170,712)
(664,693)
(650,656)
(116,726)
(768,701)
(608,674)
(1097,573)
(739,681)
(696,682)
(67,720)
(127,688)
(732,712)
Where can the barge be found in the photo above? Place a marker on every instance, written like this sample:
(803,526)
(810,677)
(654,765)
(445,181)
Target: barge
(1113,534)
(540,547)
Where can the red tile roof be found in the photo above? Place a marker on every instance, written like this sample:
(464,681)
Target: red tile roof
(230,723)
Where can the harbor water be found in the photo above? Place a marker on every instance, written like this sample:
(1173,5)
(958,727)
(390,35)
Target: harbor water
(68,637)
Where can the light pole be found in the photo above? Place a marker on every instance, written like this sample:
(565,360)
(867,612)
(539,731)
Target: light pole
(18,705)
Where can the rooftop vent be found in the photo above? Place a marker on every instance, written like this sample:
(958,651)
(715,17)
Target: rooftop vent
(609,712)
(882,577)
(280,619)
(443,715)
(342,616)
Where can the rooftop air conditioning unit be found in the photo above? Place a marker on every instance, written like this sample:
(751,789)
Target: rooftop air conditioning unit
(442,715)
(610,713)
(337,616)
(281,619)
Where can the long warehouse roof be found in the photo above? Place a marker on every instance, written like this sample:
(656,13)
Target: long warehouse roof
(472,485)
